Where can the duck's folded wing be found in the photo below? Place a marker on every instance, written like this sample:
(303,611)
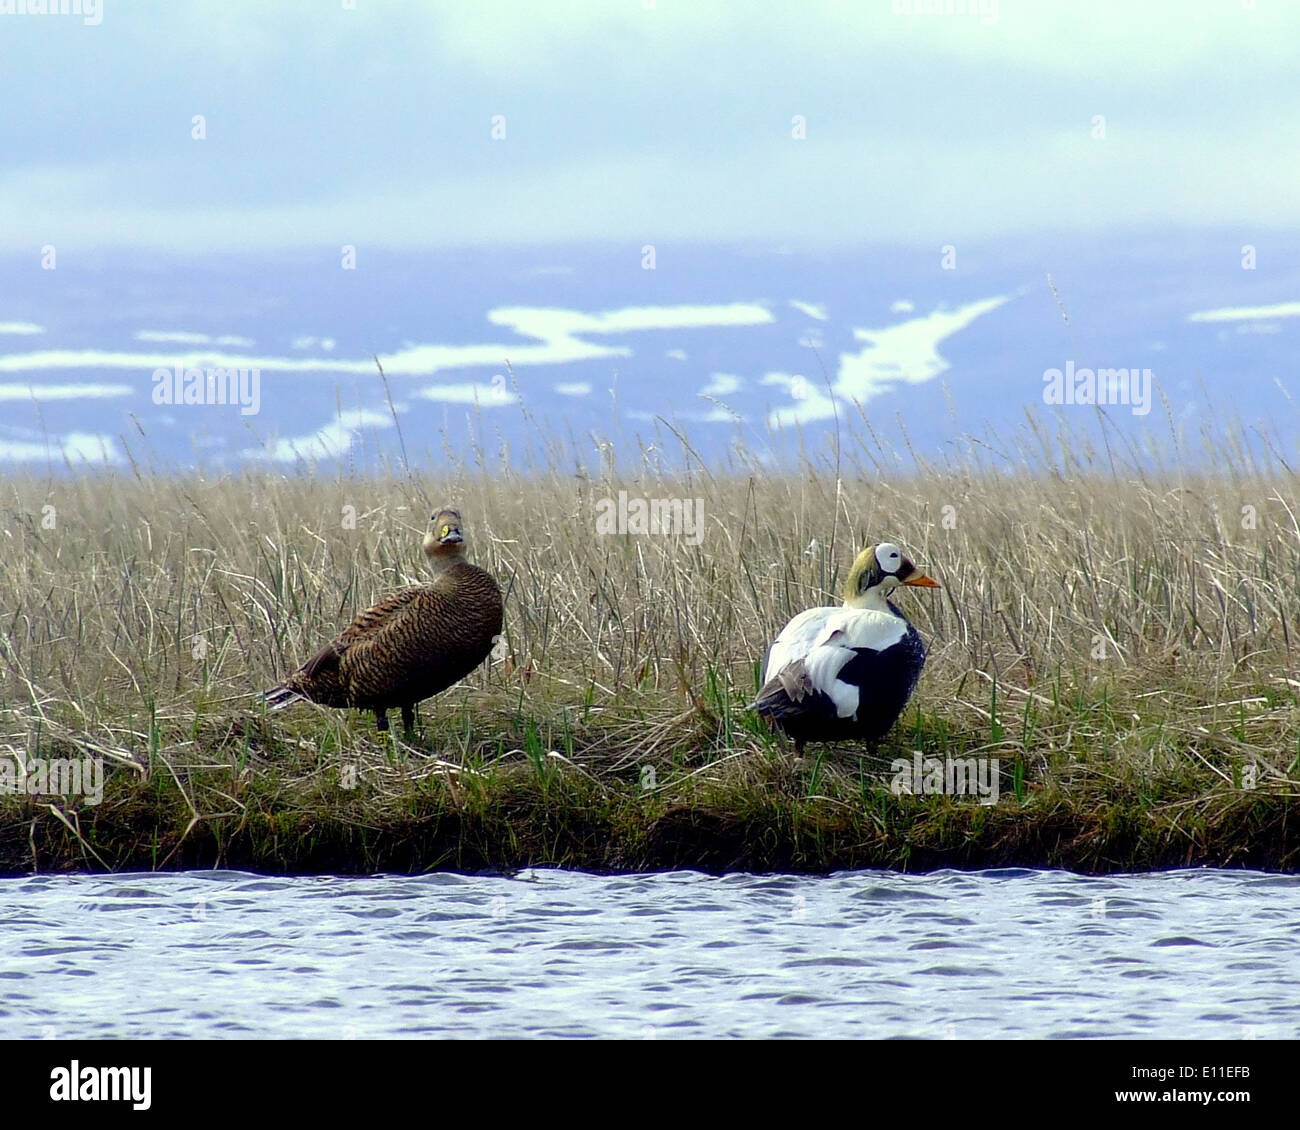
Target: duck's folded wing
(405,632)
(378,619)
(326,677)
(425,638)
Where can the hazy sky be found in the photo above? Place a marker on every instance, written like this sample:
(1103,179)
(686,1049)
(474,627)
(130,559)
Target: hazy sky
(642,121)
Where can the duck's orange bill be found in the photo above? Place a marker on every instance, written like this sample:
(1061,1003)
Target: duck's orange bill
(924,582)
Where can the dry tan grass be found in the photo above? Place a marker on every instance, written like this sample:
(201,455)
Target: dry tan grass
(1098,628)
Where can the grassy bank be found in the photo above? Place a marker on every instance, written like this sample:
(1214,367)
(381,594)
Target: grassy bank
(1123,644)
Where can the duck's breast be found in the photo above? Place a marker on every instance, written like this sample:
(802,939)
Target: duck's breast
(884,679)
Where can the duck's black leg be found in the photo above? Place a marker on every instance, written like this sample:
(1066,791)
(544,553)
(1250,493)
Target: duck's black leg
(408,717)
(381,720)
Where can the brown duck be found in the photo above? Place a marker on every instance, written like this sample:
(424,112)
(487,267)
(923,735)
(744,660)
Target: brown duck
(412,644)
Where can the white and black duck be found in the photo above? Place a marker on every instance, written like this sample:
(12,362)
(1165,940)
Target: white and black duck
(846,673)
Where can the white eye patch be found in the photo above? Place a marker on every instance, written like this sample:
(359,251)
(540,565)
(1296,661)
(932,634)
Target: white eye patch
(889,557)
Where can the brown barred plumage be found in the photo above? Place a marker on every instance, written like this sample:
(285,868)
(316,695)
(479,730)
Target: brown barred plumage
(413,643)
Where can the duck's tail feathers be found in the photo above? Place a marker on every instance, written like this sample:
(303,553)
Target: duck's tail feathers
(277,698)
(772,701)
(785,695)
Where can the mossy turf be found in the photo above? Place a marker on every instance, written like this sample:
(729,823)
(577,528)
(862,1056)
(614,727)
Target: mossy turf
(250,800)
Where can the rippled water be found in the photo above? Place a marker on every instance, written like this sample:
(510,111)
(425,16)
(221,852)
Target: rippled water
(994,953)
